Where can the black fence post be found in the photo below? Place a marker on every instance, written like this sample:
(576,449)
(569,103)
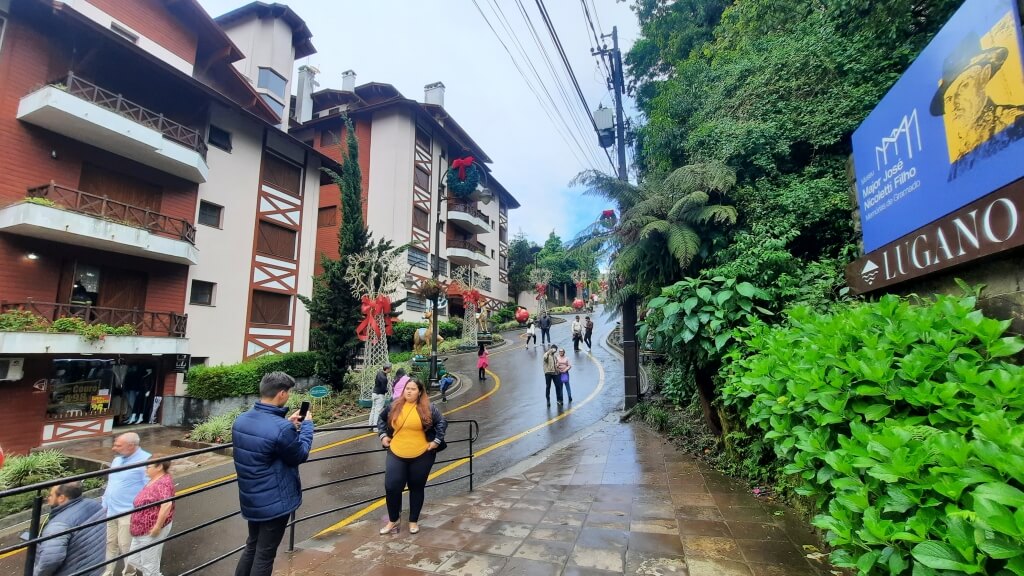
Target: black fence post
(291,534)
(33,533)
(470,456)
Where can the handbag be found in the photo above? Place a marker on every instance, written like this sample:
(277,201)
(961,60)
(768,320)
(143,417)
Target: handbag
(565,377)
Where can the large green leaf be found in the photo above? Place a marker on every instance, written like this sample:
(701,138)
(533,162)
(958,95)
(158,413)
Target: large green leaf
(942,556)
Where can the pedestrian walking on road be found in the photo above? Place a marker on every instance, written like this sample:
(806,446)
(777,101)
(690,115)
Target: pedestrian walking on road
(400,379)
(545,328)
(380,392)
(122,488)
(531,334)
(151,523)
(80,549)
(551,375)
(269,445)
(577,334)
(563,366)
(413,433)
(482,361)
(588,333)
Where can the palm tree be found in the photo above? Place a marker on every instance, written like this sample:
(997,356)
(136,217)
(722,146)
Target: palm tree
(667,226)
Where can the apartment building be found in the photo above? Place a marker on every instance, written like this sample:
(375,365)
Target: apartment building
(405,149)
(147,184)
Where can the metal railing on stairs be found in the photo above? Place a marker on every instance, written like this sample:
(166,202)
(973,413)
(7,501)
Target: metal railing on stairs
(41,488)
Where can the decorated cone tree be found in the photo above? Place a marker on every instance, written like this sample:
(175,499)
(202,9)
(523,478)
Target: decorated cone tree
(375,275)
(540,277)
(469,283)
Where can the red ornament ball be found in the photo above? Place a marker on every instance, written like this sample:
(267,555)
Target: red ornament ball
(522,315)
(577,303)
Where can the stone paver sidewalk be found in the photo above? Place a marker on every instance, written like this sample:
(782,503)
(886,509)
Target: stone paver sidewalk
(621,500)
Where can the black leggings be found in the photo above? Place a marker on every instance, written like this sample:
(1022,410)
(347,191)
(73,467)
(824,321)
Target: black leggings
(531,337)
(399,472)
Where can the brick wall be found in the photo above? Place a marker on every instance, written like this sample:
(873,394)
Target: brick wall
(152,19)
(23,411)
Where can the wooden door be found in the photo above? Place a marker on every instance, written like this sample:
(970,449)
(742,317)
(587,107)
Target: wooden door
(120,187)
(124,289)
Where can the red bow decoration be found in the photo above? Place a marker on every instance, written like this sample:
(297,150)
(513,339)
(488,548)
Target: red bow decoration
(461,164)
(579,285)
(608,214)
(371,309)
(472,297)
(542,289)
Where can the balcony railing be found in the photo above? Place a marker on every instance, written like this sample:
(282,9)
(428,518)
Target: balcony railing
(173,131)
(467,245)
(468,209)
(146,323)
(103,207)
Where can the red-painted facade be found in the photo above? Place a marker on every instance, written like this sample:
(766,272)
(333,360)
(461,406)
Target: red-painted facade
(40,46)
(336,148)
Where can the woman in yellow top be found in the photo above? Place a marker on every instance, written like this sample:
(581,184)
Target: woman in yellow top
(412,430)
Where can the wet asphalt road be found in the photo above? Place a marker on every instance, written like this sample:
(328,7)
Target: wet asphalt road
(506,405)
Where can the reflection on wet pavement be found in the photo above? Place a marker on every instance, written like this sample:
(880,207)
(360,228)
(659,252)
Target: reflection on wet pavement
(620,500)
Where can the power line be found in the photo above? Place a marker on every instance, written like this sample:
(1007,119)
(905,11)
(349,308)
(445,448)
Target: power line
(596,45)
(568,67)
(530,86)
(573,110)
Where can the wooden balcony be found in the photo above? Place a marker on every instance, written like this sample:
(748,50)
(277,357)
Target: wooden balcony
(146,323)
(103,207)
(468,216)
(171,130)
(86,112)
(467,253)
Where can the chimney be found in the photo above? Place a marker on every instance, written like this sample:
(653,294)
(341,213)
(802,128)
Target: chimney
(348,81)
(434,94)
(304,94)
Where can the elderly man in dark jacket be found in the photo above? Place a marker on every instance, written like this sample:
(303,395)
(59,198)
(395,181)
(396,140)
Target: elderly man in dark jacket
(269,445)
(80,549)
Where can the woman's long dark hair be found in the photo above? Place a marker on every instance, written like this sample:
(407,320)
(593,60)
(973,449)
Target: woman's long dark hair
(422,407)
(481,351)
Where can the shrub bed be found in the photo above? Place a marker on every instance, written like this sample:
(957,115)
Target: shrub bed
(32,468)
(904,422)
(215,382)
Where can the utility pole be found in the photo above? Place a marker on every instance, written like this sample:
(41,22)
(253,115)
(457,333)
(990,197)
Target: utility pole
(631,358)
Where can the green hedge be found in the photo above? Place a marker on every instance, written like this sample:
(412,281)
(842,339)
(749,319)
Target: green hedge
(904,422)
(215,382)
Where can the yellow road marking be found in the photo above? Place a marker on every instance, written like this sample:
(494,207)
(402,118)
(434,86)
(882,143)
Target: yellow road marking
(457,463)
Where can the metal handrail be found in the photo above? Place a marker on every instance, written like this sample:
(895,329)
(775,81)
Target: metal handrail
(144,321)
(35,525)
(169,129)
(103,207)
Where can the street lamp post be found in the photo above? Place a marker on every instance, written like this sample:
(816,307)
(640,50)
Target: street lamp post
(483,194)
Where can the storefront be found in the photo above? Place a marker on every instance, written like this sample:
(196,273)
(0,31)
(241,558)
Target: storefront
(59,397)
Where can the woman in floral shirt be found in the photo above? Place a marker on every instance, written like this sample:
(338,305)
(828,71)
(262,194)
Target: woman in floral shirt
(152,523)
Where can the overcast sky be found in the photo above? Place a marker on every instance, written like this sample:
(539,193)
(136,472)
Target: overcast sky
(411,43)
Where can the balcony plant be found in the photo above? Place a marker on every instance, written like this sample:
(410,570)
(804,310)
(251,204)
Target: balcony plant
(431,289)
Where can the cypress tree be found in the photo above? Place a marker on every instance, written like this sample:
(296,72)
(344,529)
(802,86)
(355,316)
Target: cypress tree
(333,308)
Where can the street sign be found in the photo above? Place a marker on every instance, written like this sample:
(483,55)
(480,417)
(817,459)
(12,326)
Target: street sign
(442,302)
(319,391)
(181,363)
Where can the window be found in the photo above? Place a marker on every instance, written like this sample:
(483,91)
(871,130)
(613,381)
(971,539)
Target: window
(272,82)
(420,218)
(276,106)
(220,138)
(503,234)
(210,214)
(422,139)
(282,175)
(421,178)
(276,240)
(270,308)
(414,302)
(327,216)
(503,263)
(492,253)
(124,32)
(202,293)
(418,258)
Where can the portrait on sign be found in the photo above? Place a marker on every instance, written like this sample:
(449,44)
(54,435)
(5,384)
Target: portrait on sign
(981,95)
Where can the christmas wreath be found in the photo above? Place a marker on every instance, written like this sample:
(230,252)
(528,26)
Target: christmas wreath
(463,177)
(608,219)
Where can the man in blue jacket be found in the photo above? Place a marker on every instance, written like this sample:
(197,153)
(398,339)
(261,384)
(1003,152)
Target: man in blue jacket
(72,552)
(268,448)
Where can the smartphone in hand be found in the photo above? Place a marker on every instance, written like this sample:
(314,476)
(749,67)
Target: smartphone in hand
(303,410)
